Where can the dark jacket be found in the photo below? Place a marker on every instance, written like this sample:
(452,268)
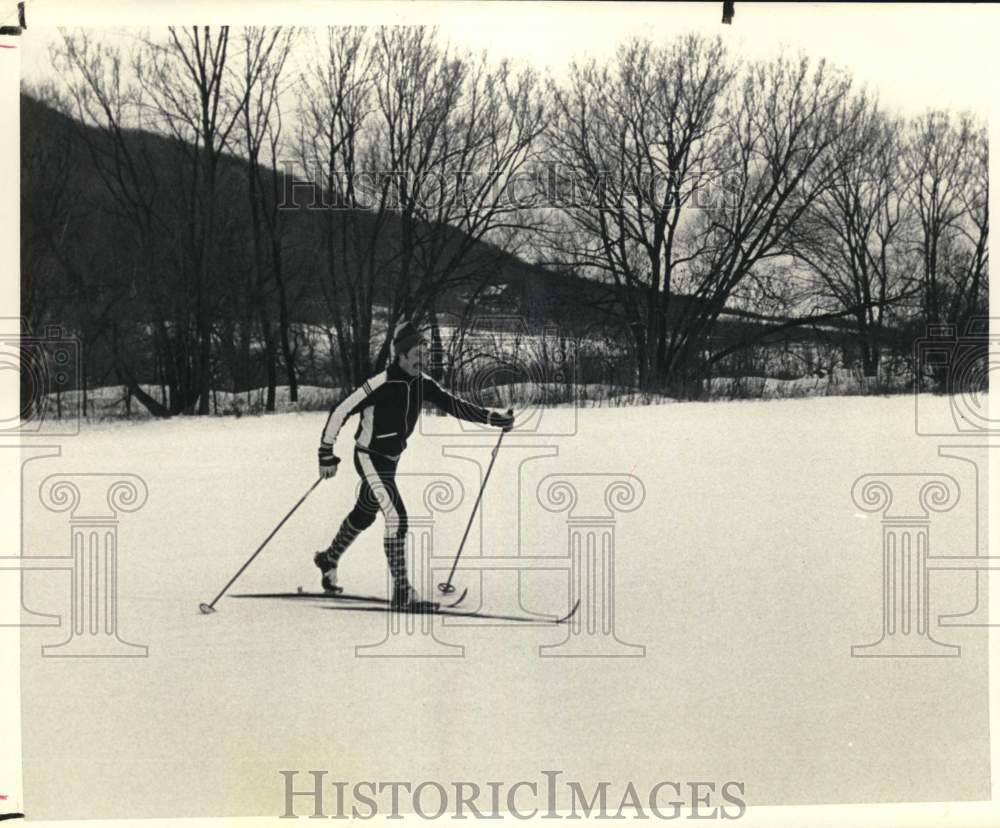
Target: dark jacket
(389,404)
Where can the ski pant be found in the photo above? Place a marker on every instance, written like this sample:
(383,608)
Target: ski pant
(378,493)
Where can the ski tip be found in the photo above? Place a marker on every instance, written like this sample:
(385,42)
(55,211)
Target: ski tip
(570,614)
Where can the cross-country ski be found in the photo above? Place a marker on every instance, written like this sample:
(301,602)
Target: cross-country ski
(489,616)
(301,594)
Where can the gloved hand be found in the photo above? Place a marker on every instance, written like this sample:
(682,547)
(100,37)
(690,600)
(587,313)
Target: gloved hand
(504,421)
(327,462)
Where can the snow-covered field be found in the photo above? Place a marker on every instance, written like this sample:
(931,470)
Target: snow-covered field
(747,573)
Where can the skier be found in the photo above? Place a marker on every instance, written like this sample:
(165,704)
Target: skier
(389,404)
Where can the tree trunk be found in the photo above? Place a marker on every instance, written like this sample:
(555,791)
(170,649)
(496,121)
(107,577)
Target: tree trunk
(287,353)
(270,360)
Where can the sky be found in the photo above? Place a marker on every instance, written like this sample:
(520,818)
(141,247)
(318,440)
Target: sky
(915,56)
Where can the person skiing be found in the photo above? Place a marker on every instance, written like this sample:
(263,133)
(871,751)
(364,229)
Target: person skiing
(389,404)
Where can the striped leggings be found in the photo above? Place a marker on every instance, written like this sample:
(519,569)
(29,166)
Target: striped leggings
(378,493)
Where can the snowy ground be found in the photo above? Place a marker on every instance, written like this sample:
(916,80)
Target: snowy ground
(109,401)
(747,573)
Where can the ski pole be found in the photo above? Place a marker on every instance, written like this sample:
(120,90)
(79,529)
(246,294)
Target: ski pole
(446,588)
(207,608)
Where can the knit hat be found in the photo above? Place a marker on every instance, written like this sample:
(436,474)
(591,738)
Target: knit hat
(406,337)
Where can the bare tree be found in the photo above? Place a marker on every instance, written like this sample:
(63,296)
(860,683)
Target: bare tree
(277,230)
(480,131)
(258,88)
(169,105)
(415,146)
(972,277)
(776,157)
(185,81)
(337,99)
(853,235)
(107,106)
(52,214)
(632,146)
(53,230)
(937,162)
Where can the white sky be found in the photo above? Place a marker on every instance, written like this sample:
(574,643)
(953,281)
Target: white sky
(915,56)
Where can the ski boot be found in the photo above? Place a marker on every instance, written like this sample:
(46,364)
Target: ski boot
(406,599)
(329,572)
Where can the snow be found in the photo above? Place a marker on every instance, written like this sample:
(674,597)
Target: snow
(747,573)
(839,382)
(108,402)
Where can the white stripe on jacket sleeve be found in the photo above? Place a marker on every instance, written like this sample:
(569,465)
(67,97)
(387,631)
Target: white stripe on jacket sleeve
(338,415)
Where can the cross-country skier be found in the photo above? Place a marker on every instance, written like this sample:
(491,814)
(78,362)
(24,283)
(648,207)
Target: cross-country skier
(389,404)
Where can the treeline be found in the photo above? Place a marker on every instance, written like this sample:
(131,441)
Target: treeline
(160,222)
(781,188)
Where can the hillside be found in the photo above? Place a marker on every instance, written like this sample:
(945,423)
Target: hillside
(114,250)
(58,164)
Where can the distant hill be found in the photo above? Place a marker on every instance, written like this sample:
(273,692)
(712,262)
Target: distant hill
(63,195)
(55,143)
